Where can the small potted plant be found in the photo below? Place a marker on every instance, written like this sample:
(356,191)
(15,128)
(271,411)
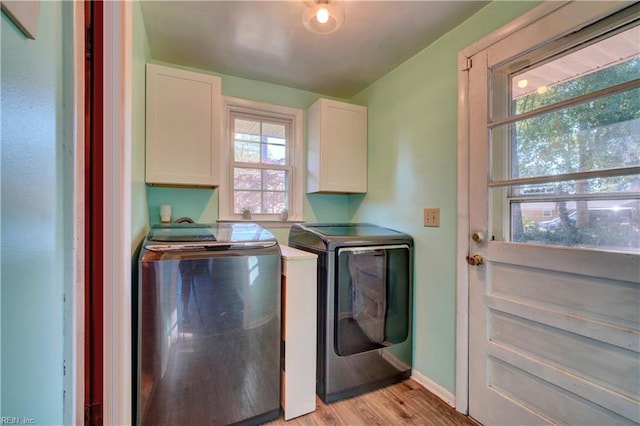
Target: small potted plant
(284,214)
(246,213)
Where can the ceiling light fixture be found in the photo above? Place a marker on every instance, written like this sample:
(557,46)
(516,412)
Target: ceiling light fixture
(323,16)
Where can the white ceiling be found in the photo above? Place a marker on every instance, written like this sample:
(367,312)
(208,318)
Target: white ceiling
(266,41)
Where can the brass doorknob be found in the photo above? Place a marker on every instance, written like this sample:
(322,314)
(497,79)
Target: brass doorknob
(475,260)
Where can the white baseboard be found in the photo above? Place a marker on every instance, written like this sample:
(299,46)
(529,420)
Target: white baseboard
(434,388)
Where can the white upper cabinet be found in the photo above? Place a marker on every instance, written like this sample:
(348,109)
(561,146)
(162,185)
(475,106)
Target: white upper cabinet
(183,127)
(336,147)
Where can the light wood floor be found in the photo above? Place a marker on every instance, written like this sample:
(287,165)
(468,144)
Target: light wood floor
(405,403)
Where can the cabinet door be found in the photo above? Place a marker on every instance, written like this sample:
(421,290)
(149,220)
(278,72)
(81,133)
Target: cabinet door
(183,127)
(337,147)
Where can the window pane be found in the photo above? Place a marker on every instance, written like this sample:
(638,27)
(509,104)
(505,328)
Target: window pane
(247,199)
(604,185)
(274,202)
(268,202)
(274,132)
(274,180)
(247,179)
(597,135)
(263,191)
(604,224)
(274,153)
(603,64)
(247,130)
(257,141)
(248,152)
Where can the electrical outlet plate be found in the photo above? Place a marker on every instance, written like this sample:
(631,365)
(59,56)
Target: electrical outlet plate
(432,216)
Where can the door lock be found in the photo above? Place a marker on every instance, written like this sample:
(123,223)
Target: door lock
(477,236)
(475,260)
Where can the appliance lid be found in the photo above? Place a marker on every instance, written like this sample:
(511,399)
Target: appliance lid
(187,236)
(352,230)
(328,236)
(174,233)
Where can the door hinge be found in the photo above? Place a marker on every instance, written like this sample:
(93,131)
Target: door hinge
(467,65)
(93,414)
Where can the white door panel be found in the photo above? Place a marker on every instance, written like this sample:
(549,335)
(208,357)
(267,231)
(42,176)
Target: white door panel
(554,332)
(539,336)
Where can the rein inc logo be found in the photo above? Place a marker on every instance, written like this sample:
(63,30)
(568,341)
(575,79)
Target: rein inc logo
(17,420)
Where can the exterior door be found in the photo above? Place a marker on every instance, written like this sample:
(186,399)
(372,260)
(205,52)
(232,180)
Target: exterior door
(554,244)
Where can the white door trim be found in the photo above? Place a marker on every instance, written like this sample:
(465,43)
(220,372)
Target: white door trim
(117,409)
(599,10)
(520,22)
(462,243)
(74,63)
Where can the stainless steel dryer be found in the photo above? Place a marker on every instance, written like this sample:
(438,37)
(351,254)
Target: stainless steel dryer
(209,325)
(364,305)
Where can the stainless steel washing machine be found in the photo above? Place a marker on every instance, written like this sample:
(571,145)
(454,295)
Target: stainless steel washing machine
(209,325)
(364,305)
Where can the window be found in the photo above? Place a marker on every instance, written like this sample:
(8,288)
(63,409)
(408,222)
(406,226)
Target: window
(261,162)
(566,139)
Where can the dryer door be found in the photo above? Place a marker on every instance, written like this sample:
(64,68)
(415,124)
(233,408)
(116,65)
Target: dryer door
(372,297)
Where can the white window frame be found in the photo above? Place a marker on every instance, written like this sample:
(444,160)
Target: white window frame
(501,70)
(266,111)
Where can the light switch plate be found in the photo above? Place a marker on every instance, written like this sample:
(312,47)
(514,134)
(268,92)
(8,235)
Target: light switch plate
(432,216)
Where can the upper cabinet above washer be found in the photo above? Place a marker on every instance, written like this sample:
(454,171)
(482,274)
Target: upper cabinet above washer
(336,147)
(183,127)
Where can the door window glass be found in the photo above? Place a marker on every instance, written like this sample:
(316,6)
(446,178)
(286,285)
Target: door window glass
(567,141)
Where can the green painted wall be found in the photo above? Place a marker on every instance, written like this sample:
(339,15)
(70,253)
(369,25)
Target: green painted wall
(32,190)
(413,164)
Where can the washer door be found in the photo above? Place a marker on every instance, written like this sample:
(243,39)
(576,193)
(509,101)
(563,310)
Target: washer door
(372,297)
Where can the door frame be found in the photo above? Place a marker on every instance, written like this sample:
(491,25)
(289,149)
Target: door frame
(116,201)
(74,170)
(118,56)
(544,10)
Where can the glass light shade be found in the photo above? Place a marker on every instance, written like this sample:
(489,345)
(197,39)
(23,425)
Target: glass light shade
(313,18)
